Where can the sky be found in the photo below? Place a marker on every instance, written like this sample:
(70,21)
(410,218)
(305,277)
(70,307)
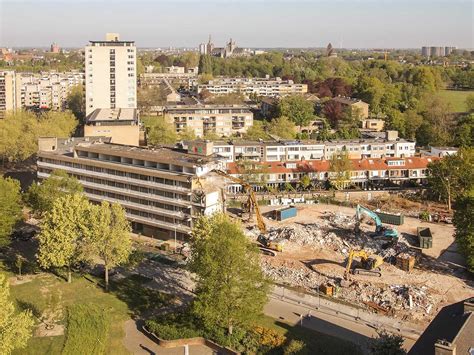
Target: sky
(251,23)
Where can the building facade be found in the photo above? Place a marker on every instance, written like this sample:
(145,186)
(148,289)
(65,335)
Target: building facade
(121,125)
(110,74)
(284,151)
(10,88)
(163,190)
(222,120)
(352,105)
(363,172)
(253,86)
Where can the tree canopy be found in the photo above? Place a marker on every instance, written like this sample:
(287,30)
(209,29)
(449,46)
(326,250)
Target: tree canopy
(65,238)
(299,110)
(42,196)
(15,328)
(10,207)
(231,288)
(20,132)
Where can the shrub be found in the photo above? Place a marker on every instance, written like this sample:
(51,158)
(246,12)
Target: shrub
(295,347)
(171,331)
(87,330)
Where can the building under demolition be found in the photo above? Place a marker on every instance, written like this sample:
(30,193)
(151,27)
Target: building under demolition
(162,189)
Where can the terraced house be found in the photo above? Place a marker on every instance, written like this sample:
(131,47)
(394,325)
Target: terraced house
(363,172)
(162,189)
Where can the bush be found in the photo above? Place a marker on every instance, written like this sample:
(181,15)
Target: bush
(87,330)
(171,331)
(425,216)
(295,347)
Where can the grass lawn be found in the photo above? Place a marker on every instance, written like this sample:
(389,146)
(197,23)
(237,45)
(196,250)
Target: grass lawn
(316,343)
(47,291)
(456,98)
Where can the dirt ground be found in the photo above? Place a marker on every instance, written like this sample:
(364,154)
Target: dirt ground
(439,271)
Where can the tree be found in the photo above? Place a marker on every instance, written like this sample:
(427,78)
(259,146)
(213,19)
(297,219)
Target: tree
(334,112)
(159,132)
(452,176)
(470,103)
(76,102)
(41,197)
(10,207)
(205,64)
(305,182)
(110,232)
(464,131)
(283,128)
(187,135)
(148,97)
(231,289)
(65,240)
(340,167)
(437,127)
(387,344)
(20,131)
(15,328)
(257,131)
(297,109)
(464,223)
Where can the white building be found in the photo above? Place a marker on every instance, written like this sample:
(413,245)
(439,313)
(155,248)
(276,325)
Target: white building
(111,80)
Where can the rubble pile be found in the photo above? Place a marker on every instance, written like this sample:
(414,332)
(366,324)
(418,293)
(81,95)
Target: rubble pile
(295,277)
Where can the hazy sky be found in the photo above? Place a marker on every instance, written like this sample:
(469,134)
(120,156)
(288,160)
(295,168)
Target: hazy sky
(252,23)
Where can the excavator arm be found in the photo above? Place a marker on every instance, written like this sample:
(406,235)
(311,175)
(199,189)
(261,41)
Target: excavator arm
(252,198)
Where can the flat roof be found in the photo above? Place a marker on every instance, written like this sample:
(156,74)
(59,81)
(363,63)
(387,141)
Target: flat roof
(158,154)
(116,114)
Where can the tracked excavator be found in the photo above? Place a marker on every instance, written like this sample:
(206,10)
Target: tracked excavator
(252,206)
(370,264)
(380,230)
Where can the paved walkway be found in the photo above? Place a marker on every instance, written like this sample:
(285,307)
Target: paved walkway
(138,343)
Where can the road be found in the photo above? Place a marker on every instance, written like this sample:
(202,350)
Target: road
(334,319)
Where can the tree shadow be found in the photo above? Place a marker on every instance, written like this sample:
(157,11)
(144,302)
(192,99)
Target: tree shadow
(311,263)
(335,339)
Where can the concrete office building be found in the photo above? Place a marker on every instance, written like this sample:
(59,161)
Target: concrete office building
(110,74)
(223,120)
(10,89)
(162,190)
(258,86)
(120,124)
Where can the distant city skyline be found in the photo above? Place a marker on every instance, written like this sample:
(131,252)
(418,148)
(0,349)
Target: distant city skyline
(251,23)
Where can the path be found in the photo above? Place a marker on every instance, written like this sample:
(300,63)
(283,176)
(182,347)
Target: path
(138,343)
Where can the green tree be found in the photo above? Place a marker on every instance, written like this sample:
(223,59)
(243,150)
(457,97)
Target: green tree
(470,103)
(257,131)
(464,131)
(438,124)
(159,132)
(15,328)
(340,166)
(110,232)
(205,64)
(305,182)
(452,176)
(65,240)
(297,109)
(283,128)
(187,135)
(10,207)
(231,289)
(41,197)
(19,132)
(464,224)
(76,102)
(387,344)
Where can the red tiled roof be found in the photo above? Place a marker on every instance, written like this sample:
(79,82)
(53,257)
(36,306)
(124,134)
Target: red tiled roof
(324,165)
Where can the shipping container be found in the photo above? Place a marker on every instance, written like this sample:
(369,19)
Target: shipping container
(285,213)
(389,218)
(425,237)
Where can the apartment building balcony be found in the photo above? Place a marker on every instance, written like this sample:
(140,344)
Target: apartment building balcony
(138,206)
(158,223)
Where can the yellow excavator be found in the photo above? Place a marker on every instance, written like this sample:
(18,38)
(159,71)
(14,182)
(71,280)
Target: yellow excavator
(252,204)
(370,263)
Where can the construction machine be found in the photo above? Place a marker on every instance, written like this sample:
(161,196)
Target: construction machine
(252,205)
(370,263)
(380,230)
